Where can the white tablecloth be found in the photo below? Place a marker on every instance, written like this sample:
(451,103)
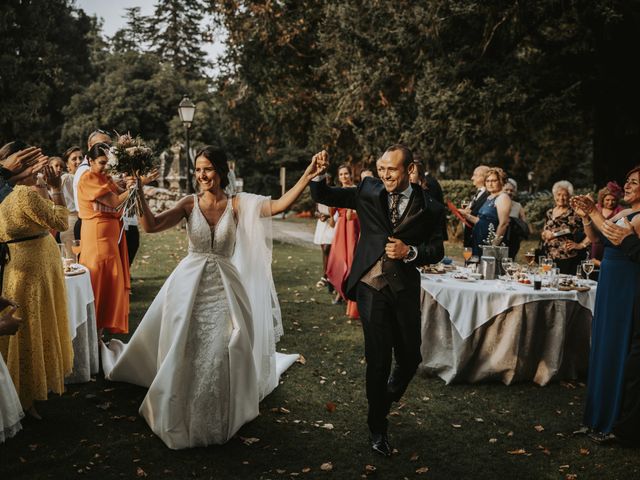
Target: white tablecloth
(472,304)
(482,332)
(82,327)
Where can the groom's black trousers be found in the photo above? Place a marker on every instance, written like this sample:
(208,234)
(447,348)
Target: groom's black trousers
(391,324)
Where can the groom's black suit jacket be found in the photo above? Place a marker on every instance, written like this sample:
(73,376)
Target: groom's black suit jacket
(420,226)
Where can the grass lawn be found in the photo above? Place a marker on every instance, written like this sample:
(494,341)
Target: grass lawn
(317,415)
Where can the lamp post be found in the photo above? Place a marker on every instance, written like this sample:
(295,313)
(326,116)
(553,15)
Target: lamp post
(187,110)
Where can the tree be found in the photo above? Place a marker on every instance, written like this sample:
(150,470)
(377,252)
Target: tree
(45,58)
(175,33)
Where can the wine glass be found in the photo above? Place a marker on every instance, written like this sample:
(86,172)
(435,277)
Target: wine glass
(512,270)
(547,265)
(505,262)
(588,266)
(75,248)
(466,253)
(530,257)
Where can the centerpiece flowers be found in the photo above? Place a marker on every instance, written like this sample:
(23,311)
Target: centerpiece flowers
(130,156)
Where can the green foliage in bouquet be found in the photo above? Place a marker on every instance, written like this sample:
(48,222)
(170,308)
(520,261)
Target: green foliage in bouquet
(130,156)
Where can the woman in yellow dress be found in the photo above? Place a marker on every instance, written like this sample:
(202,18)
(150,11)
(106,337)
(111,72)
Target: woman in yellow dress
(40,355)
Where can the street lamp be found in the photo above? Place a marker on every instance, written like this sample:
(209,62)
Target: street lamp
(187,110)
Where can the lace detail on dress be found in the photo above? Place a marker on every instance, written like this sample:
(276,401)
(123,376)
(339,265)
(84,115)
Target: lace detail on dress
(210,331)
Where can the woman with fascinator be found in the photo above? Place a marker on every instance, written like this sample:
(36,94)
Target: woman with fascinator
(206,346)
(608,205)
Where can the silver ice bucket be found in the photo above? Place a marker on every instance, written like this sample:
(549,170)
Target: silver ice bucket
(498,253)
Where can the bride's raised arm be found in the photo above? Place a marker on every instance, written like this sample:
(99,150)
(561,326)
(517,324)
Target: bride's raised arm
(317,167)
(169,218)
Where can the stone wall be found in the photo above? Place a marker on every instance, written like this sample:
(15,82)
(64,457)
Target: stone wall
(161,199)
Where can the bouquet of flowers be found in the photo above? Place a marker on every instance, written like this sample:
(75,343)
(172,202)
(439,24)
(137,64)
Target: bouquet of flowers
(131,157)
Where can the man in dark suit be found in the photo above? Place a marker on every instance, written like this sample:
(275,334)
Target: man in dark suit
(627,427)
(477,201)
(399,230)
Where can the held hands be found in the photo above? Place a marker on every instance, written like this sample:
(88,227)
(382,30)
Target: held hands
(396,249)
(615,233)
(319,164)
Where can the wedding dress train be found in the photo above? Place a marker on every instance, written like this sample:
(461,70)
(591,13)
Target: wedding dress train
(206,346)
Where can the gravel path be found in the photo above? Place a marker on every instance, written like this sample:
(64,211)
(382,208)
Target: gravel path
(293,232)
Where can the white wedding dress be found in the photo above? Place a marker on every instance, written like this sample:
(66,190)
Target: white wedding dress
(10,408)
(206,346)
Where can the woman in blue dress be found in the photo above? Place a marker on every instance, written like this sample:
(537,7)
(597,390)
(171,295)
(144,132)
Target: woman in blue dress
(613,318)
(495,211)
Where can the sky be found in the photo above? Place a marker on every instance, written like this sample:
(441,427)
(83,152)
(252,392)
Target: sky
(112,12)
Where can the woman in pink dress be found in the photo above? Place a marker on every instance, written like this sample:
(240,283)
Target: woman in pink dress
(347,232)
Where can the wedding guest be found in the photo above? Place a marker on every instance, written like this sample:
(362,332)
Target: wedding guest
(562,237)
(479,174)
(627,427)
(10,409)
(72,158)
(40,355)
(518,227)
(494,213)
(97,136)
(612,327)
(206,346)
(58,165)
(608,205)
(323,236)
(401,230)
(430,185)
(103,250)
(366,172)
(345,239)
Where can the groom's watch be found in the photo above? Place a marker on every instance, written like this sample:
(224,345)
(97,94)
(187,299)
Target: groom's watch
(411,256)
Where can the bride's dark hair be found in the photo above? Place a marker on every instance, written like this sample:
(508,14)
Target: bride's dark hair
(218,159)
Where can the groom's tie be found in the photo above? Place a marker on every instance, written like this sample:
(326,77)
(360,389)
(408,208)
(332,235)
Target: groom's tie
(374,277)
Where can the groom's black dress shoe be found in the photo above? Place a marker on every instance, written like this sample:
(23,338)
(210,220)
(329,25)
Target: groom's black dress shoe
(380,444)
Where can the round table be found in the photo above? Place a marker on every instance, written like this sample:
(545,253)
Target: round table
(82,327)
(483,331)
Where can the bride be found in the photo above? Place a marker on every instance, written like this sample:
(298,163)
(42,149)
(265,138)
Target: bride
(206,346)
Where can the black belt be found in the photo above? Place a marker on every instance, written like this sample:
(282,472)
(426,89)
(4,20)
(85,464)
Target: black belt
(4,252)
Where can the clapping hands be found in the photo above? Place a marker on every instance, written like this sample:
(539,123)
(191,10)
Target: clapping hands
(615,233)
(582,204)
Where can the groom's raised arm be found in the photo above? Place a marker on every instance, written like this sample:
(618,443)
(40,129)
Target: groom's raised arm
(333,196)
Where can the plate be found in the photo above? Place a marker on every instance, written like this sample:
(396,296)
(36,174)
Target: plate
(464,279)
(74,272)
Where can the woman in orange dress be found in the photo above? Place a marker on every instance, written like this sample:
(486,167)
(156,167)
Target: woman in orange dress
(103,250)
(347,232)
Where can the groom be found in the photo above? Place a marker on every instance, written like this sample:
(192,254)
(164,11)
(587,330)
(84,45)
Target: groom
(400,230)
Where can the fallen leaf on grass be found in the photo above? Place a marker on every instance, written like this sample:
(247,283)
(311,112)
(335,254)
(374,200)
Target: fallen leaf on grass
(327,426)
(326,467)
(519,451)
(331,407)
(422,470)
(369,469)
(544,449)
(140,472)
(280,471)
(280,410)
(539,428)
(571,476)
(249,440)
(414,457)
(306,469)
(493,440)
(456,425)
(585,451)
